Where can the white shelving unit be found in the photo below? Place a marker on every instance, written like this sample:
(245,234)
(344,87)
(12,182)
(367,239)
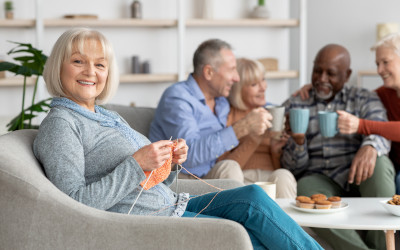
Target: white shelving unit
(181,24)
(365,73)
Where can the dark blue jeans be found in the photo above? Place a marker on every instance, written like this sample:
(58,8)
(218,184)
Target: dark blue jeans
(268,226)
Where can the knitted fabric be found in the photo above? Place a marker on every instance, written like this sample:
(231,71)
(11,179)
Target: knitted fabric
(159,174)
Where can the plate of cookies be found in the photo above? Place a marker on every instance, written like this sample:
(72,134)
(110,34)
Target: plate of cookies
(319,204)
(393,205)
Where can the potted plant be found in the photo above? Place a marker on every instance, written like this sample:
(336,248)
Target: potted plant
(260,11)
(32,64)
(9,9)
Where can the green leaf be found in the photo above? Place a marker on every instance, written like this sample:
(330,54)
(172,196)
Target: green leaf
(39,107)
(6,66)
(32,62)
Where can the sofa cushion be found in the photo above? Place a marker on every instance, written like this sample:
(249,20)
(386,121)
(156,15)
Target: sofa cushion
(139,118)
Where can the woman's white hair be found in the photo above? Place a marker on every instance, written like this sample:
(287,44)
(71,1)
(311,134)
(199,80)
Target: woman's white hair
(250,71)
(391,41)
(62,51)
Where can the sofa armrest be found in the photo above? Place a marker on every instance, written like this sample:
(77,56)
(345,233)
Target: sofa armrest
(37,215)
(32,219)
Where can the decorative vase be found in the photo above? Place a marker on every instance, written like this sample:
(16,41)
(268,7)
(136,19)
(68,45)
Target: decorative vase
(260,11)
(384,29)
(136,9)
(208,9)
(9,14)
(8,9)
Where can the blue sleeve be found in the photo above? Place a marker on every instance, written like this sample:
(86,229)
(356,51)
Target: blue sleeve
(178,117)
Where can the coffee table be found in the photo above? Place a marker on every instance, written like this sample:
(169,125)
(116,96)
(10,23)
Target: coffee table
(361,214)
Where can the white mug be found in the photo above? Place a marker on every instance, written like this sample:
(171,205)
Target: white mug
(278,117)
(268,187)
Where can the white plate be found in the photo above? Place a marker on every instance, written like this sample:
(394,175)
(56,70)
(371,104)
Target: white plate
(342,207)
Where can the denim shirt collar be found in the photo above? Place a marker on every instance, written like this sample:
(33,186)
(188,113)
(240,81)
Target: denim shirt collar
(221,103)
(199,95)
(195,89)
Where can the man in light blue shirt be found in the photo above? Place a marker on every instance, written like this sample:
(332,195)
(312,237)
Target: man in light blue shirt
(197,109)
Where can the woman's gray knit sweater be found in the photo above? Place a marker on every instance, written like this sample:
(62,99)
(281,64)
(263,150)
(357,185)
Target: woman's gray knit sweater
(94,165)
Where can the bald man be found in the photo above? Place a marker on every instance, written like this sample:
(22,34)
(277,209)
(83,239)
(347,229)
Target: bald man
(343,165)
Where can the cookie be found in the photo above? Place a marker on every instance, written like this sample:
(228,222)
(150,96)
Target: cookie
(323,204)
(336,201)
(316,197)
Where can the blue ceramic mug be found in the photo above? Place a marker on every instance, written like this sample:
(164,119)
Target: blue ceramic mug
(299,120)
(327,123)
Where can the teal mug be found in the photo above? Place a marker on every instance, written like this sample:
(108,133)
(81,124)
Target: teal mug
(327,123)
(298,118)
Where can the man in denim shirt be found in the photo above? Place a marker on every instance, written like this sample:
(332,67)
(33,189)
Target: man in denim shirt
(197,110)
(343,165)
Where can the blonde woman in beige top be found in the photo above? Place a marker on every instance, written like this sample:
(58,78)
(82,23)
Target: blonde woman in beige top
(258,156)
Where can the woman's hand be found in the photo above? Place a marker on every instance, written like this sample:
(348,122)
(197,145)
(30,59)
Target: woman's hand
(303,92)
(347,123)
(258,121)
(154,155)
(278,143)
(179,155)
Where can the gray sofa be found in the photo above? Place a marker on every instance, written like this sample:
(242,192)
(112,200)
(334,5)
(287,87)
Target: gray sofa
(34,214)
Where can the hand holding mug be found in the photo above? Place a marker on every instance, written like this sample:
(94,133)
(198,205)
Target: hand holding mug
(347,123)
(258,120)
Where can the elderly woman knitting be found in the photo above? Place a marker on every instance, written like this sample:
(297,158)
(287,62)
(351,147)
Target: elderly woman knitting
(93,156)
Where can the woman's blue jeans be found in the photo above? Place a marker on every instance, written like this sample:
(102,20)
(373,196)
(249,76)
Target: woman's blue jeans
(398,183)
(268,226)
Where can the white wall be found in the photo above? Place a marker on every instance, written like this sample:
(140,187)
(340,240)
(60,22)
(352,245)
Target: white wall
(159,45)
(351,23)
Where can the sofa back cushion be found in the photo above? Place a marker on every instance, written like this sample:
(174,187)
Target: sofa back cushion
(139,118)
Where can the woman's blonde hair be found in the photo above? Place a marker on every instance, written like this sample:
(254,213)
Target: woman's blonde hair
(250,71)
(391,41)
(62,51)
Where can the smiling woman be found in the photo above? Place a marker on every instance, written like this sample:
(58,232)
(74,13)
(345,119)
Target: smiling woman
(82,68)
(387,58)
(258,155)
(84,74)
